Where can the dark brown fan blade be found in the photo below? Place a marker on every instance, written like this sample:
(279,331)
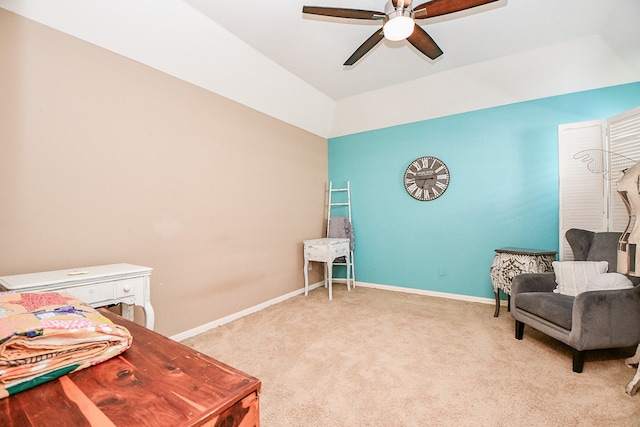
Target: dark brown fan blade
(343,13)
(444,7)
(365,47)
(424,43)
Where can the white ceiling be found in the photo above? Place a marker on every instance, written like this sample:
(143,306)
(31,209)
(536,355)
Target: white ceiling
(314,48)
(269,56)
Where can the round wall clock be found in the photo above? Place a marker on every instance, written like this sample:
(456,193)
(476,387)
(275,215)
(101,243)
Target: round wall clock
(426,178)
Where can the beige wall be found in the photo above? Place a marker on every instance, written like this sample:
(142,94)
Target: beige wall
(104,160)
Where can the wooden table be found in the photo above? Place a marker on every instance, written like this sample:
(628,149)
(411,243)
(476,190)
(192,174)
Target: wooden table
(509,262)
(156,382)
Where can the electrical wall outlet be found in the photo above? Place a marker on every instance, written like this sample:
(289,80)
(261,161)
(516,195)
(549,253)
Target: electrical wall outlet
(442,271)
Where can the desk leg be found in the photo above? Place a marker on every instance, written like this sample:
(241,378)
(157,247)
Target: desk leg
(348,281)
(324,266)
(353,270)
(330,278)
(306,277)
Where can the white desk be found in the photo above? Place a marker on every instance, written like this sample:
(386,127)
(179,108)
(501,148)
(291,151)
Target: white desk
(97,286)
(325,250)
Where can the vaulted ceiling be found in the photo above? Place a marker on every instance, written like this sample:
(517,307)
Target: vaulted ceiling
(314,48)
(272,57)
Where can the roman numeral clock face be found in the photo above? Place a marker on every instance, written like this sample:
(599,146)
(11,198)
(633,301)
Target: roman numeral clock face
(426,178)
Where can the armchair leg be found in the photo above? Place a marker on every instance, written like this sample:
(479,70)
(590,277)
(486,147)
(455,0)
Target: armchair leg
(519,330)
(578,360)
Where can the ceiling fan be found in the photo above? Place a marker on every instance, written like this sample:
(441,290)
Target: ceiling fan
(399,22)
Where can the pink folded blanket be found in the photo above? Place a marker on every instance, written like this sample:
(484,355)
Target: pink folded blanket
(44,335)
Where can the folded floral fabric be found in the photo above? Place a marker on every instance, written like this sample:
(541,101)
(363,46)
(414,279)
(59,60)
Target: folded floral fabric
(44,335)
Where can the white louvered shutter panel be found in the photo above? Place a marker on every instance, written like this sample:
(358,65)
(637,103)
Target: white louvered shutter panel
(581,165)
(624,152)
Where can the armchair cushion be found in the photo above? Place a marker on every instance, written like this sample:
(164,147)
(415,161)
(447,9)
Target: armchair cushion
(608,281)
(572,276)
(555,308)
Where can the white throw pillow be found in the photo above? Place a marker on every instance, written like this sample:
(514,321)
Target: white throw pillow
(572,276)
(608,281)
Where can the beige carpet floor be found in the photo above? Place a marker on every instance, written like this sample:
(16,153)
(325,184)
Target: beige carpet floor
(379,358)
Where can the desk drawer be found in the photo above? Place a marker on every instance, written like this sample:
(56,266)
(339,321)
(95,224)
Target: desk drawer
(92,294)
(317,253)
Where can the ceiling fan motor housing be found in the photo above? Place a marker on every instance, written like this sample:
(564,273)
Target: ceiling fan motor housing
(398,20)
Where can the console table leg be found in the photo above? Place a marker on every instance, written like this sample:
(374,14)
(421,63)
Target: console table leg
(497,293)
(127,311)
(149,315)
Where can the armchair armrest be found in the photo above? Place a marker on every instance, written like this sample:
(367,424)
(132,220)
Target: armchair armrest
(533,282)
(606,319)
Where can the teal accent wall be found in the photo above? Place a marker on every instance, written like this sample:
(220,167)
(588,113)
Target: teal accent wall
(503,190)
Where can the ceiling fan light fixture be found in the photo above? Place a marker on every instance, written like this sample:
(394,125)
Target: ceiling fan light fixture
(399,26)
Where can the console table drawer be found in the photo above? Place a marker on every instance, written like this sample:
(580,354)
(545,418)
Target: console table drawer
(92,294)
(128,287)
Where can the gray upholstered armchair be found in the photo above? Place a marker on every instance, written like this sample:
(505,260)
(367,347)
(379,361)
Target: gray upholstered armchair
(588,321)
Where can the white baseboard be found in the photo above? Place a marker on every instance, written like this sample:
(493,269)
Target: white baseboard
(230,318)
(447,295)
(214,324)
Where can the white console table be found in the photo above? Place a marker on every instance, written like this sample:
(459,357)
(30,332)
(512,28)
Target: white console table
(97,286)
(325,250)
